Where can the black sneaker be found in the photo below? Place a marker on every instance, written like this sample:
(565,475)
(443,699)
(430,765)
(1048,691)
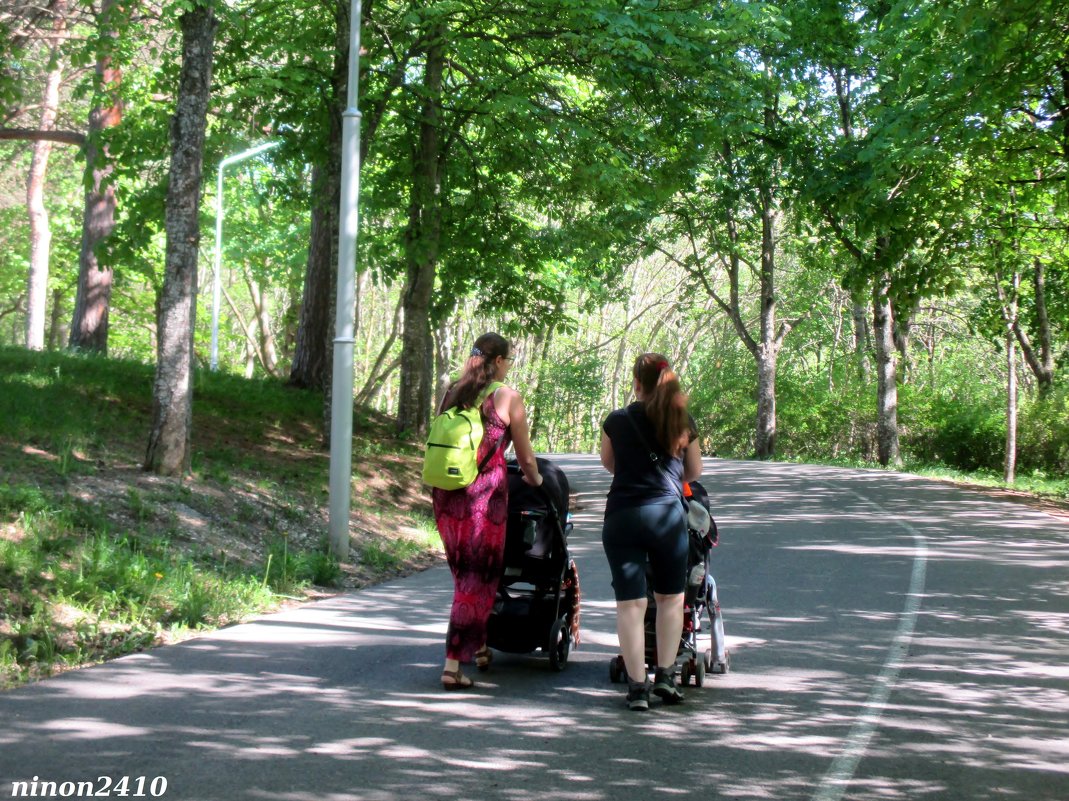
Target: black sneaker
(664,686)
(638,695)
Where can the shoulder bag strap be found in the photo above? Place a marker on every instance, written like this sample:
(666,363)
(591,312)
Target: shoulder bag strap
(654,456)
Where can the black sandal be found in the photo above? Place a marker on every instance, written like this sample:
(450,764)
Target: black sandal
(455,680)
(483,657)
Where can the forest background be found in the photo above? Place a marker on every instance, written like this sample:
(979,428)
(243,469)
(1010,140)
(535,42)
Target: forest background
(845,223)
(842,221)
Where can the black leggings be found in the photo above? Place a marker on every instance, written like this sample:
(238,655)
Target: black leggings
(656,533)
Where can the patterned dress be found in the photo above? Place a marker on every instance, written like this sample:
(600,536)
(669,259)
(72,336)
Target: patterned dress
(471,521)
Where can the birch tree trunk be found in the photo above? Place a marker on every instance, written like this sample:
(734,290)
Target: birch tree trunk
(1010,462)
(767,350)
(261,305)
(89,327)
(886,369)
(421,252)
(445,344)
(40,232)
(861,337)
(1008,303)
(172,392)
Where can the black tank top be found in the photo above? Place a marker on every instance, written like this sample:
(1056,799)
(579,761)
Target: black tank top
(638,480)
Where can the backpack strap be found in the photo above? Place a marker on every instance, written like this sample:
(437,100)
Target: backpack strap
(490,390)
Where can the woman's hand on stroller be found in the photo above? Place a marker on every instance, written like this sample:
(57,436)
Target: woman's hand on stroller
(534,481)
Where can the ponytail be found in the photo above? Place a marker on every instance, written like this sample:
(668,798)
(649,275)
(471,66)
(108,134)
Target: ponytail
(478,371)
(666,405)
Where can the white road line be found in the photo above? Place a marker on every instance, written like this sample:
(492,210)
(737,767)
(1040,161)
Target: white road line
(836,781)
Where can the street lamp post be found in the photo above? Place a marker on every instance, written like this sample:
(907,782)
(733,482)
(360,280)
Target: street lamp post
(341,411)
(216,282)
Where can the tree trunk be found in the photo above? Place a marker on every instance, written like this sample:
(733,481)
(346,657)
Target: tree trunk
(837,335)
(89,327)
(1008,304)
(377,373)
(1041,363)
(261,306)
(250,336)
(861,337)
(56,332)
(1010,462)
(311,354)
(421,252)
(543,343)
(886,386)
(172,393)
(767,348)
(903,331)
(40,233)
(445,340)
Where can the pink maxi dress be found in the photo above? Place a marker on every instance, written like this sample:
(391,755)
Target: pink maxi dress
(471,522)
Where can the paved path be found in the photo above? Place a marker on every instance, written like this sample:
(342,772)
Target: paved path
(892,638)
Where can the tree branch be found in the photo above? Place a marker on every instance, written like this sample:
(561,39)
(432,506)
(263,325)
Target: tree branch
(32,135)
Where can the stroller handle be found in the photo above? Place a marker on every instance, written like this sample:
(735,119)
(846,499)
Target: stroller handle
(514,469)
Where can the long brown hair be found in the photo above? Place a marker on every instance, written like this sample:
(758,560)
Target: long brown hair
(666,405)
(478,371)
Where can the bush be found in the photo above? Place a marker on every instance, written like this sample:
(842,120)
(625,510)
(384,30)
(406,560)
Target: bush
(1043,432)
(968,436)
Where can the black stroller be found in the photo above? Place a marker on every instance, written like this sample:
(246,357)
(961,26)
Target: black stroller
(699,599)
(537,604)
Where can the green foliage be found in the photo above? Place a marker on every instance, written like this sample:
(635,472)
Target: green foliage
(1043,438)
(722,400)
(957,426)
(571,404)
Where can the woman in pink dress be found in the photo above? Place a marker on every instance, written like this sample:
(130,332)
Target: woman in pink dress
(471,520)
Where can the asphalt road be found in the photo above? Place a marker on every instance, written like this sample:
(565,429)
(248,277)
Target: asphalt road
(891,638)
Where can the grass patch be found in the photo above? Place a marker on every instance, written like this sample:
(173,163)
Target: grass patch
(98,559)
(76,593)
(395,555)
(1039,484)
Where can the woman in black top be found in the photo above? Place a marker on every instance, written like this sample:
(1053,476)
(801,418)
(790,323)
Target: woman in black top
(651,448)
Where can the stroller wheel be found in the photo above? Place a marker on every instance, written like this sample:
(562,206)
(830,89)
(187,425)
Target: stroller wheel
(560,644)
(684,674)
(615,670)
(699,673)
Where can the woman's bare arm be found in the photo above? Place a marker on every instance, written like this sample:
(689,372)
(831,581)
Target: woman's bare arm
(692,461)
(608,455)
(521,440)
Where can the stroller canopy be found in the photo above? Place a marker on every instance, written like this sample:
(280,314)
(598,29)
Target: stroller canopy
(554,488)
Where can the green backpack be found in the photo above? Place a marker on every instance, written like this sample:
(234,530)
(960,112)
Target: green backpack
(450,460)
